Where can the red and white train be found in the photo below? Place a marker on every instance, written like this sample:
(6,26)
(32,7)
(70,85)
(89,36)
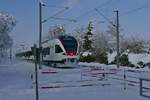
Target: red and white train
(60,51)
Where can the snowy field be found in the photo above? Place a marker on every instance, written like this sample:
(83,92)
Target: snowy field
(86,82)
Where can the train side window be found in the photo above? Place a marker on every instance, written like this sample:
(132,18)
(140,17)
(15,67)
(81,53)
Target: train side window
(58,49)
(46,51)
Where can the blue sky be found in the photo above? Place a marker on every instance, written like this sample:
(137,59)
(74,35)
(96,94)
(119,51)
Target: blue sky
(26,12)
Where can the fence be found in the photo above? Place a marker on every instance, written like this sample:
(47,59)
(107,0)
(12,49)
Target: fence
(142,88)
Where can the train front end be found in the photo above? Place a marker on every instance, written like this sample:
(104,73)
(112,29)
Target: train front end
(71,55)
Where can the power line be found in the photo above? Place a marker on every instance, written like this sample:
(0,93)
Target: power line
(135,10)
(61,11)
(65,8)
(104,16)
(124,14)
(100,6)
(109,1)
(67,19)
(45,5)
(54,6)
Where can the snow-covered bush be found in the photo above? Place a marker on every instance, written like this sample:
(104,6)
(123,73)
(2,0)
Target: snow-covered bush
(123,59)
(88,58)
(131,65)
(101,57)
(148,64)
(141,64)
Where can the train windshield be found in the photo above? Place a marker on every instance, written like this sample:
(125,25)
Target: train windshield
(69,43)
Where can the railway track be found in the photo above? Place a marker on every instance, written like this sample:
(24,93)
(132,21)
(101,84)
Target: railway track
(131,81)
(77,83)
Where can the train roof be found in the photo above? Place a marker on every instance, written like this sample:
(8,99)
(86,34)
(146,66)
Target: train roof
(24,50)
(57,37)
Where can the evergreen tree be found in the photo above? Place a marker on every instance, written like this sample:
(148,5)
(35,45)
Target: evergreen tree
(87,55)
(87,44)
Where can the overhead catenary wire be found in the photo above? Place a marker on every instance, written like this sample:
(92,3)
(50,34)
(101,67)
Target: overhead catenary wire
(65,8)
(100,6)
(104,17)
(123,14)
(57,13)
(78,18)
(59,18)
(135,10)
(54,6)
(97,9)
(67,19)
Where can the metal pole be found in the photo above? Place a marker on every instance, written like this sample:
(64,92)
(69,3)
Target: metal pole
(141,87)
(117,37)
(36,73)
(11,53)
(124,79)
(40,34)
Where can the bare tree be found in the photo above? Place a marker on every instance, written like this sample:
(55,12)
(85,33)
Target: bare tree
(7,22)
(79,35)
(56,30)
(135,45)
(111,33)
(53,32)
(101,42)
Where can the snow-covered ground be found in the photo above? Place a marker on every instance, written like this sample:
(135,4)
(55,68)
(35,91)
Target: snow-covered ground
(133,58)
(86,82)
